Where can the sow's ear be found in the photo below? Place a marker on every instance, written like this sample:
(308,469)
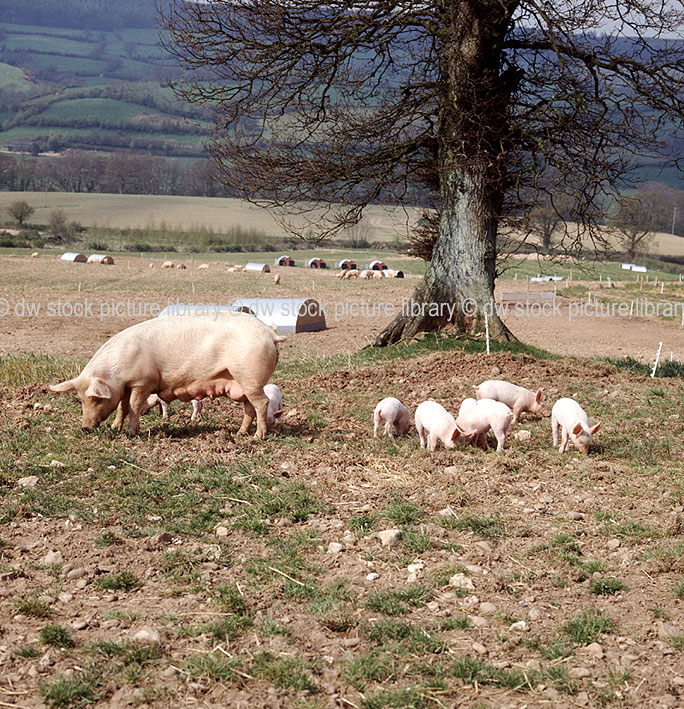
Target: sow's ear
(99,389)
(63,386)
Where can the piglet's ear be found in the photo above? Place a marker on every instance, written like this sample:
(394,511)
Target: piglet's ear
(595,428)
(577,428)
(99,389)
(539,394)
(62,387)
(457,432)
(277,414)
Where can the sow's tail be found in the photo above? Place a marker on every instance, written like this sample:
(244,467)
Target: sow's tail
(276,339)
(276,336)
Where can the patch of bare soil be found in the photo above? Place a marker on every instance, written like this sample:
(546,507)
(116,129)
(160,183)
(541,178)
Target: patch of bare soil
(533,530)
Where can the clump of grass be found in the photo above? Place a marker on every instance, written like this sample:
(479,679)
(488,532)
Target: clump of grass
(606,587)
(400,698)
(677,641)
(32,607)
(107,539)
(364,524)
(230,599)
(71,690)
(27,651)
(442,574)
(588,626)
(179,566)
(397,601)
(678,589)
(474,670)
(56,636)
(552,650)
(413,638)
(285,672)
(121,581)
(218,668)
(229,628)
(373,666)
(460,623)
(401,512)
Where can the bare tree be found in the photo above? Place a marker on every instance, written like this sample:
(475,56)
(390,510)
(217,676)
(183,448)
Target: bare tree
(20,211)
(325,108)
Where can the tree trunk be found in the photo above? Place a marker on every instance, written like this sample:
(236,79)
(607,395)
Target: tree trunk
(458,287)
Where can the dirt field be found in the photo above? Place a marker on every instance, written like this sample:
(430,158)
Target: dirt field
(48,314)
(189,566)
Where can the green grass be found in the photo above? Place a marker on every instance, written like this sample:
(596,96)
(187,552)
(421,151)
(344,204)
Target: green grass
(32,607)
(56,636)
(607,587)
(216,667)
(292,673)
(395,602)
(588,626)
(27,651)
(666,368)
(404,636)
(74,690)
(120,581)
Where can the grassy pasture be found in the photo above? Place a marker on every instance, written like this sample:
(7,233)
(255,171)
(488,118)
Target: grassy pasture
(181,213)
(13,78)
(115,111)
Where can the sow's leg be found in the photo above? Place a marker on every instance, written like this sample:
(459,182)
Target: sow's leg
(257,402)
(137,405)
(122,411)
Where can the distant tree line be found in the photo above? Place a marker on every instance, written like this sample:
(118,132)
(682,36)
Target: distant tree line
(122,172)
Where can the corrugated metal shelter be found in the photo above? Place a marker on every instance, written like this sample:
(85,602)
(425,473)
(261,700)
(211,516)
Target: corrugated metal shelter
(316,263)
(345,264)
(74,256)
(284,260)
(101,258)
(258,267)
(287,315)
(377,266)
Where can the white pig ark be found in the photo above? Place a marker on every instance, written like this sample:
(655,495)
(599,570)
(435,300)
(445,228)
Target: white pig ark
(479,416)
(179,357)
(568,417)
(439,425)
(516,397)
(391,412)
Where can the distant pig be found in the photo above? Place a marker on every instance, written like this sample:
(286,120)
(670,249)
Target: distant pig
(432,418)
(154,400)
(393,413)
(573,422)
(478,417)
(182,357)
(516,397)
